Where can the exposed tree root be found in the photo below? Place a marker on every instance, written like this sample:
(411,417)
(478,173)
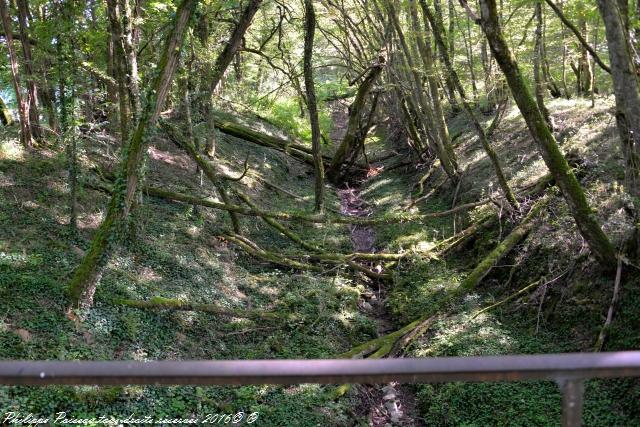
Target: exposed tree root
(159,303)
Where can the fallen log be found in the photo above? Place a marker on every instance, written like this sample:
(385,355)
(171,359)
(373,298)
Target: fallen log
(271,257)
(289,261)
(311,218)
(319,254)
(381,346)
(503,248)
(385,345)
(295,149)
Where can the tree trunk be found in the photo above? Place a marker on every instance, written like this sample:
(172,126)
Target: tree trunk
(5,114)
(537,67)
(309,32)
(627,92)
(584,65)
(113,87)
(67,95)
(351,141)
(32,90)
(222,63)
(131,58)
(119,68)
(482,135)
(26,137)
(423,39)
(448,82)
(87,274)
(565,179)
(444,154)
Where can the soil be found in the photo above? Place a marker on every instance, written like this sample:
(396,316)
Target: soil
(392,404)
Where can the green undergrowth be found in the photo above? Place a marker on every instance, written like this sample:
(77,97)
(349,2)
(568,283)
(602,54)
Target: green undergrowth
(564,316)
(178,254)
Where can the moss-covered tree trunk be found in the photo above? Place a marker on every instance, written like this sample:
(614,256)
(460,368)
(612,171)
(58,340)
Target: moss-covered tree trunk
(445,153)
(87,275)
(5,114)
(438,32)
(627,92)
(351,140)
(220,66)
(504,247)
(312,105)
(584,216)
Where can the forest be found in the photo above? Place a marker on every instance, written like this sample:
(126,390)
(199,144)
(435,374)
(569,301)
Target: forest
(319,179)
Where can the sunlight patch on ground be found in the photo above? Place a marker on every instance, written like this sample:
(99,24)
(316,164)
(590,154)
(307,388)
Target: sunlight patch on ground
(11,150)
(15,259)
(90,221)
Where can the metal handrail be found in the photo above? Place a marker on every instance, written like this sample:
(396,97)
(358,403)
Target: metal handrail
(568,370)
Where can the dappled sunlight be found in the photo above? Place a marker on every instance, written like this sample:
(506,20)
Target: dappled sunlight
(90,221)
(417,248)
(178,160)
(12,150)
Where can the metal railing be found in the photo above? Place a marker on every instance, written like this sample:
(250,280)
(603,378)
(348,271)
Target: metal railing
(569,371)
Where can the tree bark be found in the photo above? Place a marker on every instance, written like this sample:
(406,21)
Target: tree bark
(627,92)
(537,67)
(584,216)
(26,136)
(87,275)
(32,90)
(351,141)
(482,135)
(318,166)
(222,63)
(448,161)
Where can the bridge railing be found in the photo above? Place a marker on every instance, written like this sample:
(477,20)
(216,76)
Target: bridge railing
(569,371)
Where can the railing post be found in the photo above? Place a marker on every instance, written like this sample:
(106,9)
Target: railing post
(572,394)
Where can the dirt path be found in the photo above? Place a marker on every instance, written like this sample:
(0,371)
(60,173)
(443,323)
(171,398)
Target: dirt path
(392,404)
